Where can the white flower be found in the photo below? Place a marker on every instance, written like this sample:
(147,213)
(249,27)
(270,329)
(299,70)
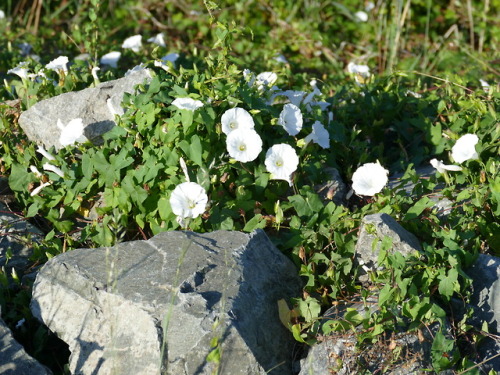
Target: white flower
(187,103)
(441,167)
(361,16)
(249,76)
(281,59)
(39,188)
(464,149)
(35,171)
(369,6)
(53,168)
(188,200)
(95,69)
(362,70)
(266,79)
(158,40)
(111,59)
(369,179)
(20,70)
(485,85)
(244,144)
(236,118)
(71,133)
(2,14)
(172,57)
(41,150)
(133,42)
(58,64)
(291,119)
(319,135)
(281,161)
(295,97)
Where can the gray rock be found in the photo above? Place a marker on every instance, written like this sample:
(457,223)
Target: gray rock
(113,305)
(96,106)
(16,236)
(13,358)
(334,188)
(485,298)
(375,228)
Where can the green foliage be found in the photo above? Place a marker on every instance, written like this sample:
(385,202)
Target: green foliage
(120,189)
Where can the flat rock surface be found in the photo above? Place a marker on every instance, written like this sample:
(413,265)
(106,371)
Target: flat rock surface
(212,293)
(96,106)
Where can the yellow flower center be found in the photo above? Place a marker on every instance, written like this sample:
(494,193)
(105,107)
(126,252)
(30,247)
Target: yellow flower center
(279,163)
(191,204)
(233,125)
(243,147)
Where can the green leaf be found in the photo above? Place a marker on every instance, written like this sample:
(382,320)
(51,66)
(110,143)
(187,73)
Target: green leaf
(20,178)
(419,206)
(255,223)
(447,284)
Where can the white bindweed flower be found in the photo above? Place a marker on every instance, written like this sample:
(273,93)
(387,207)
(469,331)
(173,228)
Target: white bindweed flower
(244,144)
(158,40)
(465,148)
(369,6)
(53,168)
(187,103)
(281,59)
(61,63)
(441,167)
(281,161)
(71,133)
(236,118)
(319,135)
(39,188)
(111,59)
(361,16)
(188,200)
(266,79)
(291,119)
(133,42)
(41,150)
(2,14)
(362,70)
(95,69)
(485,85)
(20,70)
(369,179)
(172,57)
(295,97)
(35,171)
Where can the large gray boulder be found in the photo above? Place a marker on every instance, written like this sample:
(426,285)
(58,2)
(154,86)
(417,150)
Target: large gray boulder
(13,358)
(163,305)
(96,106)
(374,228)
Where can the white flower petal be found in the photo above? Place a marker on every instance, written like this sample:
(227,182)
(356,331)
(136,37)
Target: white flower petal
(441,167)
(464,149)
(111,59)
(20,70)
(53,168)
(244,145)
(35,171)
(236,118)
(39,188)
(266,79)
(172,57)
(319,135)
(281,161)
(291,119)
(133,42)
(158,40)
(61,63)
(369,179)
(188,200)
(72,133)
(187,103)
(41,150)
(361,16)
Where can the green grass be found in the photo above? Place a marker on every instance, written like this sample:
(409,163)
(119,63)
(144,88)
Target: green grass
(426,59)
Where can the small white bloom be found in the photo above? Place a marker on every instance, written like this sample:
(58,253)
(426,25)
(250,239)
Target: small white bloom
(95,69)
(295,97)
(281,161)
(187,103)
(361,16)
(35,171)
(266,79)
(133,42)
(441,167)
(369,6)
(71,133)
(465,148)
(485,85)
(111,59)
(244,144)
(188,200)
(39,188)
(61,63)
(291,119)
(20,70)
(362,70)
(2,14)
(369,179)
(319,135)
(158,40)
(53,168)
(172,57)
(41,150)
(236,118)
(414,94)
(281,59)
